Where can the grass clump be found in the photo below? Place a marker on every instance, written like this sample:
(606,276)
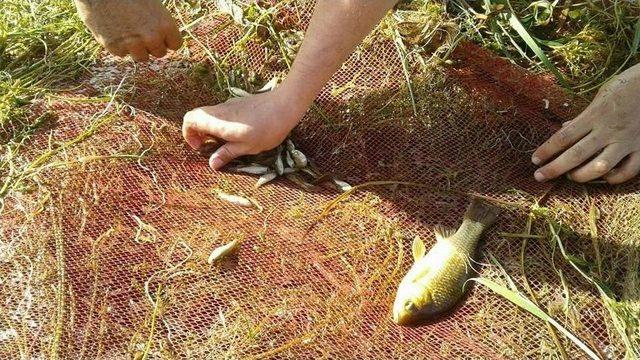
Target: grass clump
(424,30)
(588,41)
(585,53)
(42,44)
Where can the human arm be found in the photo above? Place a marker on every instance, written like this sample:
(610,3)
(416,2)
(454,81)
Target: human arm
(261,122)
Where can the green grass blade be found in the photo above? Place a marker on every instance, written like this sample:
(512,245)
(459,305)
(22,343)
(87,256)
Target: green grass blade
(632,52)
(636,39)
(579,264)
(402,53)
(533,45)
(495,261)
(529,306)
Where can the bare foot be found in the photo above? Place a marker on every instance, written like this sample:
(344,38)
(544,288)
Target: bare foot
(138,28)
(609,129)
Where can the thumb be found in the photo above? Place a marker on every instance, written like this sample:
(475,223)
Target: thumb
(225,154)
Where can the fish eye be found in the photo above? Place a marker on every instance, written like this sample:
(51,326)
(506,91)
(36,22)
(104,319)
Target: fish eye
(410,306)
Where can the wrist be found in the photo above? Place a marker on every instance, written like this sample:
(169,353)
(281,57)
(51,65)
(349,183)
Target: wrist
(623,82)
(296,99)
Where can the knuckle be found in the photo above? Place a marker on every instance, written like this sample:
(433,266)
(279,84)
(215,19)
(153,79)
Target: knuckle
(564,136)
(601,166)
(576,152)
(226,154)
(250,132)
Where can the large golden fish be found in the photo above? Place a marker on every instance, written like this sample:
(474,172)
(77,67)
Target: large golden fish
(435,282)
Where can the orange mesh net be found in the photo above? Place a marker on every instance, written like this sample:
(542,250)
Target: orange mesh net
(107,257)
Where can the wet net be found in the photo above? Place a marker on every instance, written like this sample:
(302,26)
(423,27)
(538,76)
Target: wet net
(105,238)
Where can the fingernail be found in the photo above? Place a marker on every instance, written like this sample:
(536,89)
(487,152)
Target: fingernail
(215,162)
(539,176)
(535,160)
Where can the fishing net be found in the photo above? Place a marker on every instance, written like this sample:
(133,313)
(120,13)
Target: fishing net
(107,233)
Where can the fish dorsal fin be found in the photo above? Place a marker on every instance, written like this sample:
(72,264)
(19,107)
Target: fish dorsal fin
(418,248)
(443,232)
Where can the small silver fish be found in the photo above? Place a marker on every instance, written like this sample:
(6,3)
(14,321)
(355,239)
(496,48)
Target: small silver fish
(235,199)
(310,172)
(299,159)
(253,169)
(290,161)
(279,165)
(290,145)
(435,282)
(341,185)
(237,92)
(265,179)
(223,251)
(269,86)
(298,180)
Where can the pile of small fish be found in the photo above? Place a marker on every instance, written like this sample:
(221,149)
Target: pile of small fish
(289,162)
(286,161)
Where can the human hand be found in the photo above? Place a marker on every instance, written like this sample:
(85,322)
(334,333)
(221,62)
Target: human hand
(138,28)
(609,129)
(248,125)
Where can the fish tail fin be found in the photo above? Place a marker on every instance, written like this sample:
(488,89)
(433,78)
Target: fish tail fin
(482,212)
